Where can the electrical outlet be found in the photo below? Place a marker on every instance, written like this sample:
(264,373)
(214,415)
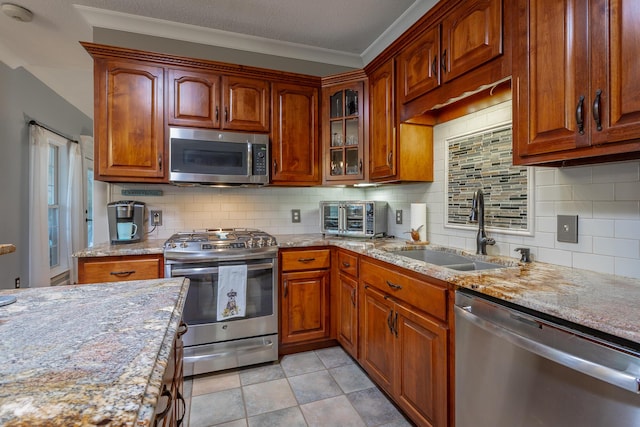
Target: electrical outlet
(17,282)
(399,216)
(567,228)
(295,215)
(156,218)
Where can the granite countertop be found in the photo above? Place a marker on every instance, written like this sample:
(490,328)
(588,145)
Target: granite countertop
(603,302)
(87,354)
(146,247)
(7,248)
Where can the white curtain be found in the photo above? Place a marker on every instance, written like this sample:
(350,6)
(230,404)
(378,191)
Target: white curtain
(74,206)
(38,208)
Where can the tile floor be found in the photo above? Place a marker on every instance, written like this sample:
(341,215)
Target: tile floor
(317,388)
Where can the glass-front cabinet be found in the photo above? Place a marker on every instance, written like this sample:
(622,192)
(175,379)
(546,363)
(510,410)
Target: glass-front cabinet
(343,133)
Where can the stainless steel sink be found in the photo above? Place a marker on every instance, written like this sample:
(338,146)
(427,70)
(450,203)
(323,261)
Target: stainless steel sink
(448,260)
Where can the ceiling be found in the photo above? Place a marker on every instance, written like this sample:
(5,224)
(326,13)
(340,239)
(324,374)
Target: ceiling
(346,33)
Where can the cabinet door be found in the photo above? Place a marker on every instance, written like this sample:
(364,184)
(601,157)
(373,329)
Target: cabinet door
(382,142)
(472,36)
(129,125)
(377,339)
(420,385)
(615,57)
(295,147)
(343,135)
(348,314)
(246,104)
(194,99)
(419,66)
(551,77)
(305,306)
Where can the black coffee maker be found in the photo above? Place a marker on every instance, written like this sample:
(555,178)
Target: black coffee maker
(126,221)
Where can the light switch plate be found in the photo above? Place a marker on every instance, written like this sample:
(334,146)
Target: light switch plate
(567,228)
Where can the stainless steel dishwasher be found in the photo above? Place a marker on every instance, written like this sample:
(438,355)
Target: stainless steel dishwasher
(517,369)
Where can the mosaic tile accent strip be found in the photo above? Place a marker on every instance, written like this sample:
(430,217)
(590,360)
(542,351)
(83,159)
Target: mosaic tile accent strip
(483,160)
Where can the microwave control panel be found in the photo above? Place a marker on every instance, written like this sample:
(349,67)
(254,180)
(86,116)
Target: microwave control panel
(259,159)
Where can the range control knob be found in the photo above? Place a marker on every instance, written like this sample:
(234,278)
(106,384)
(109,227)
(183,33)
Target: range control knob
(184,244)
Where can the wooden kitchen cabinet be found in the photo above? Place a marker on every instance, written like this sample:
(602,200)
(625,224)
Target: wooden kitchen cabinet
(295,146)
(209,100)
(343,135)
(396,152)
(304,297)
(129,121)
(120,268)
(171,407)
(347,301)
(576,87)
(404,340)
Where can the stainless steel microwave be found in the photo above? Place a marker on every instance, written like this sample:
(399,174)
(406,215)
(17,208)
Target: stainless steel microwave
(203,156)
(354,218)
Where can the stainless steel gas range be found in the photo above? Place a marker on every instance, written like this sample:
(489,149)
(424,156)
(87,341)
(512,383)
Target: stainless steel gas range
(231,307)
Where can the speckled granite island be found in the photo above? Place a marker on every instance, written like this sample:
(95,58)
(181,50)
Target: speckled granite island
(87,355)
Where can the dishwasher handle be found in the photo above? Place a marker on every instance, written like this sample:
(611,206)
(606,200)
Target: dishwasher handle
(608,374)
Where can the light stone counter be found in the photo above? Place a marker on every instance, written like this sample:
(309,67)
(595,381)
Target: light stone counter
(146,247)
(87,354)
(601,302)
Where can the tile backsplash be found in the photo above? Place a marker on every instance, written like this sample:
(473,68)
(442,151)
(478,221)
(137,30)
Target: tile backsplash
(606,198)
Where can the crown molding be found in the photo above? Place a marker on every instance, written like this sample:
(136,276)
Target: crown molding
(191,33)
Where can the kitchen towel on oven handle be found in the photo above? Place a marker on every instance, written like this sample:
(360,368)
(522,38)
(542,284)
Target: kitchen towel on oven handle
(232,291)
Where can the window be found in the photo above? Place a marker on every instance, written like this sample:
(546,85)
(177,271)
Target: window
(57,171)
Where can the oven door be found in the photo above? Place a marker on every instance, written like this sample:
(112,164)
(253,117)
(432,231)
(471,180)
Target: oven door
(200,311)
(355,219)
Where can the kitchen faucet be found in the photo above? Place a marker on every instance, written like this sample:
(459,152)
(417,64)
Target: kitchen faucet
(477,215)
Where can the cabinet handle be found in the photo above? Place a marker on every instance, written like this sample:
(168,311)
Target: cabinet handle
(286,288)
(580,115)
(217,114)
(353,297)
(395,325)
(226,114)
(306,260)
(443,64)
(360,166)
(160,161)
(393,285)
(389,158)
(434,66)
(165,393)
(122,273)
(275,167)
(346,264)
(184,409)
(182,329)
(390,320)
(596,110)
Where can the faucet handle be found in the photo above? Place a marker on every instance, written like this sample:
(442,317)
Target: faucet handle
(526,254)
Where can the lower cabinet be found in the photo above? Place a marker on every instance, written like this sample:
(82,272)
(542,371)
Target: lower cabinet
(347,301)
(119,268)
(304,297)
(404,348)
(171,407)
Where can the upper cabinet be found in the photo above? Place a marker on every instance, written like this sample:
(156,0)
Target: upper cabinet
(295,148)
(129,121)
(575,82)
(205,99)
(459,38)
(397,152)
(343,130)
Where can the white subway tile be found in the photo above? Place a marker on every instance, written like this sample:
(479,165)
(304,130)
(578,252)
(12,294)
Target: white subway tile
(554,256)
(624,248)
(626,229)
(617,172)
(594,192)
(627,191)
(627,267)
(592,262)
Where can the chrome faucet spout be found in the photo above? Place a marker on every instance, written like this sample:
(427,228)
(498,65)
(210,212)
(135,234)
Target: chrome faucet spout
(477,215)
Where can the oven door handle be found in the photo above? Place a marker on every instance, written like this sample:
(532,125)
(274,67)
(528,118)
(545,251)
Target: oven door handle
(199,358)
(214,270)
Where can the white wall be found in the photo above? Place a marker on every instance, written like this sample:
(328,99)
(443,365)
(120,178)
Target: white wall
(605,197)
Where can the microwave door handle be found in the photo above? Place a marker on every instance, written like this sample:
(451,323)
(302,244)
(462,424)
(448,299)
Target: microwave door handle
(249,159)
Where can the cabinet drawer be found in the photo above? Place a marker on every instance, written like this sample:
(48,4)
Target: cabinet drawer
(348,263)
(306,260)
(115,269)
(422,295)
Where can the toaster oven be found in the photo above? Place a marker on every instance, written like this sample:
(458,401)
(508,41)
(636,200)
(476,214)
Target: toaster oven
(354,218)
